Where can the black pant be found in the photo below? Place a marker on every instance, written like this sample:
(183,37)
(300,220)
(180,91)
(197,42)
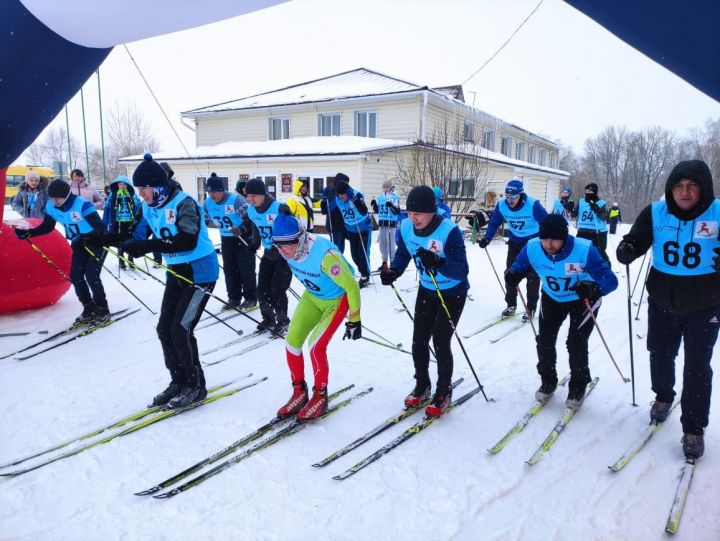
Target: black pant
(239,269)
(552,315)
(273,282)
(358,251)
(123,228)
(533,282)
(338,238)
(613,225)
(431,320)
(181,308)
(599,240)
(698,331)
(85,272)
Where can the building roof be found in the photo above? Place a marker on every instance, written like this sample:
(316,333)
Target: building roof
(350,84)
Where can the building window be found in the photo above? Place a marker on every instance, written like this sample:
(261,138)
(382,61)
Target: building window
(531,154)
(469,131)
(461,188)
(506,146)
(329,124)
(520,151)
(489,139)
(542,156)
(365,124)
(279,128)
(553,161)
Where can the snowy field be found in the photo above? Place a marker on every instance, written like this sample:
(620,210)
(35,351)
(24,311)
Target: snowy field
(440,485)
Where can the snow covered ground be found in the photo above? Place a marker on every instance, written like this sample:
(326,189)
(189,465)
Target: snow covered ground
(440,485)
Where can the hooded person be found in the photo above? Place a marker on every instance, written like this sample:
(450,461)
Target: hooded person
(387,207)
(32,196)
(442,209)
(122,209)
(564,206)
(592,214)
(330,294)
(85,231)
(180,234)
(522,214)
(302,206)
(683,287)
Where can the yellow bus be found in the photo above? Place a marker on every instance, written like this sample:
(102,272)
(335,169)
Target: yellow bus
(16,176)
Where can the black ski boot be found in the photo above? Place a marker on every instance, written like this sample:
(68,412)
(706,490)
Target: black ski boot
(87,314)
(184,397)
(693,445)
(101,316)
(165,396)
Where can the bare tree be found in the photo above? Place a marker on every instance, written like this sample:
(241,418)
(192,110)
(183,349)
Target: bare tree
(52,147)
(704,144)
(450,159)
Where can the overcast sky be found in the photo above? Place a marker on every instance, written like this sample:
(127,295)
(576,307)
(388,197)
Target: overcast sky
(562,75)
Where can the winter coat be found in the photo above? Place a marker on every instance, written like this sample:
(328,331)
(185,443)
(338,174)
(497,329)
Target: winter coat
(87,191)
(302,206)
(133,204)
(21,202)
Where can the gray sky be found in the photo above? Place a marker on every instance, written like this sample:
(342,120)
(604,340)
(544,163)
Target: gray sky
(562,75)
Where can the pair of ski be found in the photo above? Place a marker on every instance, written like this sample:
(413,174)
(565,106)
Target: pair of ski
(267,337)
(68,334)
(554,433)
(490,324)
(287,427)
(683,487)
(141,419)
(224,315)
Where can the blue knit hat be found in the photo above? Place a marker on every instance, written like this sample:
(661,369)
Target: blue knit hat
(286,229)
(567,189)
(514,187)
(214,184)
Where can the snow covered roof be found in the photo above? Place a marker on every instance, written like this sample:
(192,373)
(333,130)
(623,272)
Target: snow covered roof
(302,146)
(350,84)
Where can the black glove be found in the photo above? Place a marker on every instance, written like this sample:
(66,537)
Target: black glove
(484,242)
(136,248)
(353,330)
(431,262)
(388,276)
(626,253)
(239,231)
(95,238)
(389,205)
(591,197)
(512,278)
(586,289)
(594,207)
(22,234)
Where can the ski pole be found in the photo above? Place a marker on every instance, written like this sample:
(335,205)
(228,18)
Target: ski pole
(133,264)
(396,347)
(642,263)
(118,279)
(362,244)
(592,315)
(529,315)
(381,337)
(452,326)
(496,274)
(642,292)
(407,311)
(50,261)
(630,334)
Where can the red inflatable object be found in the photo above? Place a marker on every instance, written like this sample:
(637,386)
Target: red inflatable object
(26,279)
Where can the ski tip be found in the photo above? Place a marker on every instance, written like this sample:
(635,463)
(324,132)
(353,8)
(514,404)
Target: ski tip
(166,495)
(338,478)
(147,492)
(317,465)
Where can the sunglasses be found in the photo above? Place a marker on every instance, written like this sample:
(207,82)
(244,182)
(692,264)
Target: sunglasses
(512,197)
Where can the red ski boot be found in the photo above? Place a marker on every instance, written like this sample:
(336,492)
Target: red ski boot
(440,403)
(316,407)
(298,399)
(418,395)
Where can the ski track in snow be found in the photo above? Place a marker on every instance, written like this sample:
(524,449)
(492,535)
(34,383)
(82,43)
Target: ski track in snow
(441,484)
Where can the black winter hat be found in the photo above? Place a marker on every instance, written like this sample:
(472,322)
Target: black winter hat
(149,173)
(240,185)
(592,187)
(341,176)
(698,171)
(255,186)
(421,199)
(168,170)
(214,184)
(342,186)
(58,188)
(554,227)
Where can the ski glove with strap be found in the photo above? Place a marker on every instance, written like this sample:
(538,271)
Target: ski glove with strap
(353,330)
(388,276)
(586,289)
(484,242)
(626,252)
(431,262)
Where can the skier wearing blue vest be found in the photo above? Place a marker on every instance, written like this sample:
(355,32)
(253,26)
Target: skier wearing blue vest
(122,208)
(84,229)
(436,246)
(387,207)
(358,227)
(522,214)
(180,234)
(225,211)
(442,209)
(592,215)
(572,271)
(683,293)
(564,206)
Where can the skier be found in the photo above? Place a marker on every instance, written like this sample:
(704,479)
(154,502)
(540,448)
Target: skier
(180,234)
(358,227)
(442,209)
(32,196)
(592,213)
(522,214)
(564,206)
(387,207)
(615,218)
(572,271)
(122,209)
(683,293)
(333,216)
(274,276)
(301,205)
(330,292)
(84,229)
(225,211)
(437,247)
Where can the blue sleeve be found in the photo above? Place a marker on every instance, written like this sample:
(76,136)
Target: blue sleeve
(539,211)
(142,229)
(93,218)
(601,272)
(87,209)
(402,257)
(138,206)
(496,221)
(456,264)
(107,213)
(522,262)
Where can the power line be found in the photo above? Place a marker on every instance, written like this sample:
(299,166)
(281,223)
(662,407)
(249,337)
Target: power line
(504,44)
